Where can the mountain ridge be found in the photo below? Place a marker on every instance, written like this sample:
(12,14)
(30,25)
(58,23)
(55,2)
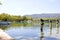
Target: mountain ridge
(57,15)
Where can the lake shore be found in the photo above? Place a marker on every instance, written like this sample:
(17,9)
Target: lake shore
(4,36)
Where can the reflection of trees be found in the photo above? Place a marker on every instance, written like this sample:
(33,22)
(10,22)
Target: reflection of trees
(27,24)
(24,24)
(14,25)
(4,27)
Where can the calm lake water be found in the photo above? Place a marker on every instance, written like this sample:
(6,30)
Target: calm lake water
(32,31)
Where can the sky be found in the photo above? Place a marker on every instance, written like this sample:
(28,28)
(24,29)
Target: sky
(28,7)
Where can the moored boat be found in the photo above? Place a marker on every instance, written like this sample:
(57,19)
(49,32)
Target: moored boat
(5,23)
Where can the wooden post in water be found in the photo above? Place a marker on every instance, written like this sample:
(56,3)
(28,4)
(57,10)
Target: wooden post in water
(57,26)
(42,23)
(42,34)
(50,25)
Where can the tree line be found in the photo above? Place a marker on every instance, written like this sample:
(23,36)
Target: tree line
(7,17)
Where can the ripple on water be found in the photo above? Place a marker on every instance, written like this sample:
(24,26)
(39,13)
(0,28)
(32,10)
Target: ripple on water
(49,38)
(27,38)
(36,38)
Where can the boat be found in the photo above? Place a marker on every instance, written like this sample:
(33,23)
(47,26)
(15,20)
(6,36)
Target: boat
(5,23)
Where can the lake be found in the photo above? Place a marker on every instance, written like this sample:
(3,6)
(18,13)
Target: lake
(31,31)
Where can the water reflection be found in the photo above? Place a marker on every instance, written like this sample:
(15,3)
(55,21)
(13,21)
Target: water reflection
(57,30)
(50,25)
(28,29)
(24,24)
(4,27)
(14,25)
(57,26)
(42,36)
(50,32)
(42,33)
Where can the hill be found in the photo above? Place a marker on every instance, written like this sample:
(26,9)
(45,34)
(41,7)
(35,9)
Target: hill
(56,15)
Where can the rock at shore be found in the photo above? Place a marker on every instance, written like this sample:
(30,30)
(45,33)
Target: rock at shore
(4,36)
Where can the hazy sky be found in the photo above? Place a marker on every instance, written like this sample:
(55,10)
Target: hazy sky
(24,7)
